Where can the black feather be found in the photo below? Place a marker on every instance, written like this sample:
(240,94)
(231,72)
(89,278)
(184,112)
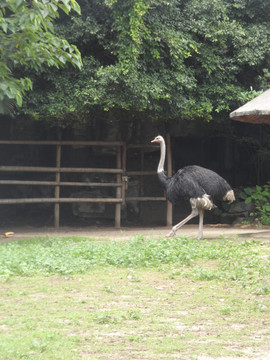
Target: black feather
(193,182)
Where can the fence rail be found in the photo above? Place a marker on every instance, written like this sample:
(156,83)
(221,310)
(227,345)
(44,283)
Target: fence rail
(59,142)
(59,200)
(58,169)
(59,183)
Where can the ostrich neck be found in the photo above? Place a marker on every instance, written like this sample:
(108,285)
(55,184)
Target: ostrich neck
(162,157)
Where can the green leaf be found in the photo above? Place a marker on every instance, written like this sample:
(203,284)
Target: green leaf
(4,26)
(44,13)
(18,98)
(76,7)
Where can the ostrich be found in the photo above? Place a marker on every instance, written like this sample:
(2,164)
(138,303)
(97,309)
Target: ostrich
(195,183)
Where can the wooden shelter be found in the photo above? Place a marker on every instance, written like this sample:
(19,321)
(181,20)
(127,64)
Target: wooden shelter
(256,111)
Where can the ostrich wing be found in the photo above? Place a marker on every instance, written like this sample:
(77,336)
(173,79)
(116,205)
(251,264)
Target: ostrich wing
(193,182)
(183,186)
(212,183)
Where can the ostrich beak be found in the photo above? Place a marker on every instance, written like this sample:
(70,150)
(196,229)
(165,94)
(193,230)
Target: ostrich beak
(154,140)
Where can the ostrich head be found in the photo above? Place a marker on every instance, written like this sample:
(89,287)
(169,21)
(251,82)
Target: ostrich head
(158,139)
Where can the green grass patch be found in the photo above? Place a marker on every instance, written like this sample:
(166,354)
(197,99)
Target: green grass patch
(246,263)
(77,298)
(154,317)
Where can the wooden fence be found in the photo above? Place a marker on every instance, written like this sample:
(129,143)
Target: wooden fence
(120,184)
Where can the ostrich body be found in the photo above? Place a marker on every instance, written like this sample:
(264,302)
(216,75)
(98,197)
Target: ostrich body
(195,183)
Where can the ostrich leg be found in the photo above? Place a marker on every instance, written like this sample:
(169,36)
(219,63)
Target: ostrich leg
(201,213)
(193,213)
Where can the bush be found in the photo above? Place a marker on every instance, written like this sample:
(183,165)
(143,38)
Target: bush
(260,198)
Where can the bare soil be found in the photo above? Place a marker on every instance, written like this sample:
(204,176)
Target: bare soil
(124,233)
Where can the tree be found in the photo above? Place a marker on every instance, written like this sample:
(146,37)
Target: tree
(28,41)
(163,58)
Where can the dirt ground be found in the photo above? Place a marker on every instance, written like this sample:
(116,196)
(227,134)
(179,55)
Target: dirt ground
(210,232)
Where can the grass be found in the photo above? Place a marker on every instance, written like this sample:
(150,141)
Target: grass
(77,298)
(246,263)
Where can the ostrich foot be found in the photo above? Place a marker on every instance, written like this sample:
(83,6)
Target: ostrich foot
(171,233)
(193,213)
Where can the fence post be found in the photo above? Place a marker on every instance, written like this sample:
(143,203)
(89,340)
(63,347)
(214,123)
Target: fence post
(118,189)
(57,187)
(124,176)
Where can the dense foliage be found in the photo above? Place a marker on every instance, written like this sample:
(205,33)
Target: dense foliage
(166,58)
(259,197)
(28,41)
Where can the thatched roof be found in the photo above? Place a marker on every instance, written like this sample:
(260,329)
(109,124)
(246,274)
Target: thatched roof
(256,111)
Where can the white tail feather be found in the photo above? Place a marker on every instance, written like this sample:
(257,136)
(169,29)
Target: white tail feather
(229,196)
